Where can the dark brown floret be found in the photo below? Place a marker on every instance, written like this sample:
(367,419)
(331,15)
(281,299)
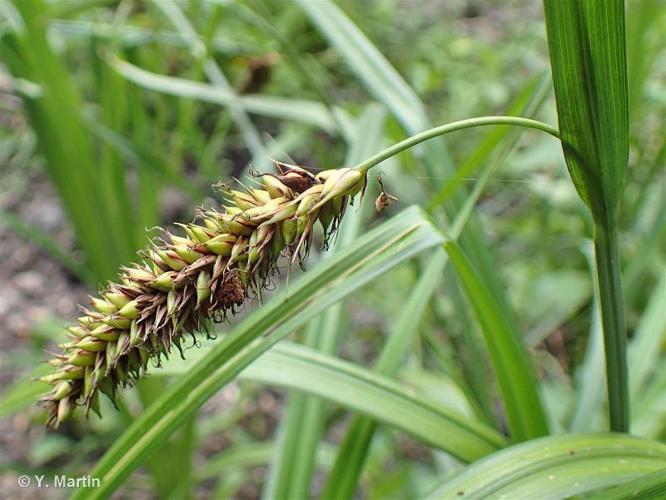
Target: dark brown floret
(232,292)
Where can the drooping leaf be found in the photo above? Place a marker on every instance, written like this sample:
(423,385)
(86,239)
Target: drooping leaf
(513,369)
(309,112)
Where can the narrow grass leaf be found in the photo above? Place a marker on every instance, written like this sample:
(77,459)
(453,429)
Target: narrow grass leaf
(589,390)
(308,112)
(381,79)
(23,393)
(54,113)
(110,169)
(556,467)
(45,241)
(649,410)
(526,103)
(253,454)
(644,22)
(73,8)
(133,37)
(307,66)
(302,368)
(343,478)
(305,369)
(144,159)
(650,335)
(515,375)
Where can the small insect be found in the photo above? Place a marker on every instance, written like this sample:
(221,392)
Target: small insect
(384,199)
(258,72)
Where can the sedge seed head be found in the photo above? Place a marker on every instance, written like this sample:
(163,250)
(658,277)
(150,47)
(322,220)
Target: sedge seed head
(186,280)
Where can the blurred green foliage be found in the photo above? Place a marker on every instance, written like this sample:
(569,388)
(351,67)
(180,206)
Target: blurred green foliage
(145,156)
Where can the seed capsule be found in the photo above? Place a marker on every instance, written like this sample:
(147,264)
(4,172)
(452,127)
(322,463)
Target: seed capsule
(261,196)
(77,331)
(235,225)
(68,373)
(171,303)
(110,356)
(103,306)
(89,381)
(187,253)
(62,390)
(277,242)
(203,287)
(244,201)
(118,321)
(130,310)
(164,281)
(82,358)
(197,233)
(105,332)
(221,244)
(275,188)
(117,299)
(135,274)
(122,344)
(304,212)
(64,409)
(288,229)
(91,344)
(171,259)
(238,250)
(134,333)
(286,211)
(340,183)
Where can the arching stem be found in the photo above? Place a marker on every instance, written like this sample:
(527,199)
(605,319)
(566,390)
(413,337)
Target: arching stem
(483,121)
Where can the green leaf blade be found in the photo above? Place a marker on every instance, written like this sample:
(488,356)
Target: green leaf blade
(515,376)
(588,56)
(648,487)
(302,368)
(557,467)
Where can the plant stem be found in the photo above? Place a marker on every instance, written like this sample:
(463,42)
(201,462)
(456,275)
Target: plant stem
(453,127)
(612,316)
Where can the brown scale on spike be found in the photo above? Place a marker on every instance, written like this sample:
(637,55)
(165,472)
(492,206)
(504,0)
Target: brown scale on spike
(185,281)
